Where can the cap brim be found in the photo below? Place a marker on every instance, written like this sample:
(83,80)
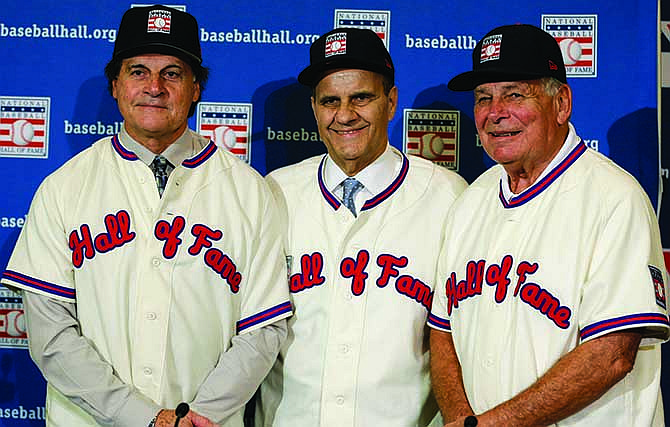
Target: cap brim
(313,74)
(160,48)
(471,79)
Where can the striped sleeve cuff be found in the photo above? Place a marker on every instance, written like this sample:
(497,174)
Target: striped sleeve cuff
(270,315)
(439,323)
(639,320)
(23,281)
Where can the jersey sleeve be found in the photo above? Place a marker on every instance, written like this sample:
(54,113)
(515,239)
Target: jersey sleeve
(626,284)
(439,316)
(266,299)
(41,260)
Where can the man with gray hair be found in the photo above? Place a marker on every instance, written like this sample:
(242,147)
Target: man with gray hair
(552,303)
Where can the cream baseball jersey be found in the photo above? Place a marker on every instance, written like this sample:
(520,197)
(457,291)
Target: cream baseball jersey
(161,284)
(526,278)
(356,354)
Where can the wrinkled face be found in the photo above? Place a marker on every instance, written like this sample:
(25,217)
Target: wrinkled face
(352,113)
(154,93)
(517,122)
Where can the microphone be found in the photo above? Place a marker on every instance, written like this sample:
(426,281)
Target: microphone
(181,411)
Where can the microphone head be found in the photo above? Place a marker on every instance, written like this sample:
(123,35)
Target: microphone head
(181,410)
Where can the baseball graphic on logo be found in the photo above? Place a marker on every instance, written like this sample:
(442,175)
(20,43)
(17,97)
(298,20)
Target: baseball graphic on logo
(22,132)
(15,324)
(159,22)
(571,50)
(431,146)
(225,137)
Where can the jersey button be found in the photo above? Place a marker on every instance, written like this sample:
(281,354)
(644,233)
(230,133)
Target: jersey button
(147,371)
(155,262)
(151,315)
(344,348)
(339,400)
(142,180)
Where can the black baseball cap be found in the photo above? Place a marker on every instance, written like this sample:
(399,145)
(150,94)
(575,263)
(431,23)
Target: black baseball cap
(158,29)
(512,53)
(354,48)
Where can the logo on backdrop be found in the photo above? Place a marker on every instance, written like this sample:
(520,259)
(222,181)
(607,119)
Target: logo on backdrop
(378,21)
(433,135)
(24,126)
(577,35)
(228,125)
(12,323)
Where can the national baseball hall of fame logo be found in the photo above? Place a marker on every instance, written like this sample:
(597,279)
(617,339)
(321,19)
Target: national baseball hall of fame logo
(433,135)
(24,126)
(378,21)
(228,125)
(12,321)
(577,35)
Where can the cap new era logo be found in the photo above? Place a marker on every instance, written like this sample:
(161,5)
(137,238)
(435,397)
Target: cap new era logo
(491,48)
(159,21)
(336,44)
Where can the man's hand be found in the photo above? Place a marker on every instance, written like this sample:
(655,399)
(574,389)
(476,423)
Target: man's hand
(199,420)
(167,417)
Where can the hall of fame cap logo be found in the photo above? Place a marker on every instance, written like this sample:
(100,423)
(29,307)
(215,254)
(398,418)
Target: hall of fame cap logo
(228,125)
(577,36)
(12,321)
(159,21)
(490,48)
(24,126)
(336,44)
(433,135)
(378,21)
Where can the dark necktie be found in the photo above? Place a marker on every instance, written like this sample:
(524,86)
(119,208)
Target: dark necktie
(159,167)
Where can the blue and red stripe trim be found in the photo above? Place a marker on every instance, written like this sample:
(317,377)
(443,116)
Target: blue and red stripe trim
(330,197)
(379,198)
(38,284)
(439,322)
(201,157)
(545,182)
(264,316)
(624,322)
(335,203)
(123,151)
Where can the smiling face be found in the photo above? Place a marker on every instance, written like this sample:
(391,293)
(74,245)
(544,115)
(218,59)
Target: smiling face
(520,125)
(352,113)
(154,93)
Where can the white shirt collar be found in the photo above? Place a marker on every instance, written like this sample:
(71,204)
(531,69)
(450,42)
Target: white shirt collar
(186,146)
(375,177)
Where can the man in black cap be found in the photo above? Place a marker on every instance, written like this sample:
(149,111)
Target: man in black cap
(363,226)
(551,305)
(151,263)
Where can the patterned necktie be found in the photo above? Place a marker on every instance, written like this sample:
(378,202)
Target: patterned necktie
(351,187)
(159,167)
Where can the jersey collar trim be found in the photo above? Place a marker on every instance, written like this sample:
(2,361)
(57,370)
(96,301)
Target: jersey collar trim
(379,198)
(123,151)
(537,188)
(191,163)
(201,157)
(335,203)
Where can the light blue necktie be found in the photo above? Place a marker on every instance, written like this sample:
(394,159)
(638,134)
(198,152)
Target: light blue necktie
(351,187)
(159,167)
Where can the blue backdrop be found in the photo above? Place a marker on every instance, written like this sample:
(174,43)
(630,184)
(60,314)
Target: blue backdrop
(54,100)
